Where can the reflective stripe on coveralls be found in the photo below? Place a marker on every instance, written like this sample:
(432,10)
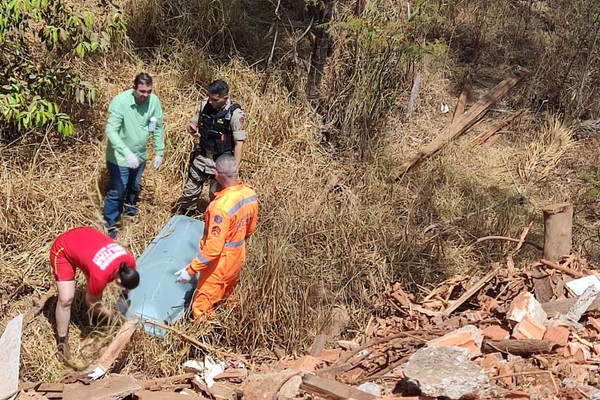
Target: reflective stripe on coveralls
(230,218)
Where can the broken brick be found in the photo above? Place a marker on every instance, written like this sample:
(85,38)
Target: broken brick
(558,332)
(305,363)
(525,304)
(529,328)
(495,332)
(575,352)
(467,337)
(505,369)
(491,361)
(595,323)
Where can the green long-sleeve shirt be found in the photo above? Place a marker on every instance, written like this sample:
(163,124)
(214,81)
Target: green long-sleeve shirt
(127,128)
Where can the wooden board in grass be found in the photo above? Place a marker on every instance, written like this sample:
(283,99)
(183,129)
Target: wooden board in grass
(117,345)
(330,389)
(464,122)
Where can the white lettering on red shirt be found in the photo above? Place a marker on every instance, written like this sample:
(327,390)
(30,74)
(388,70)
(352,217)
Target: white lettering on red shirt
(107,254)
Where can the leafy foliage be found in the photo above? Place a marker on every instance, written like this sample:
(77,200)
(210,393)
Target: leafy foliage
(40,40)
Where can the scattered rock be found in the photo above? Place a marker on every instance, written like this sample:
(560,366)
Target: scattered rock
(445,372)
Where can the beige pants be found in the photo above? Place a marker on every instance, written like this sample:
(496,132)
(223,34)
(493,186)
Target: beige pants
(192,191)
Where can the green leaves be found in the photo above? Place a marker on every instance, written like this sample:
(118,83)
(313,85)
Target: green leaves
(35,83)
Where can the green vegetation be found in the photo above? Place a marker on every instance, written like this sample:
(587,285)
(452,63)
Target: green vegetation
(39,41)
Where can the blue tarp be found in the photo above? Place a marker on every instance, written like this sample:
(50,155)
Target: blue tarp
(158,297)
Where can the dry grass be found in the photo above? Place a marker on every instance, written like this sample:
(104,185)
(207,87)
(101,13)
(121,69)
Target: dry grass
(327,220)
(554,40)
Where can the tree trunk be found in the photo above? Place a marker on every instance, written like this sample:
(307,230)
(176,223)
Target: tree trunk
(321,45)
(558,226)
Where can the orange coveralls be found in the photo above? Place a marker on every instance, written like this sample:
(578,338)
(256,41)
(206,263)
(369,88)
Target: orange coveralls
(229,220)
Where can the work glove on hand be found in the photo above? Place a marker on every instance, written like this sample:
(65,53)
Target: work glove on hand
(97,373)
(132,161)
(183,276)
(158,161)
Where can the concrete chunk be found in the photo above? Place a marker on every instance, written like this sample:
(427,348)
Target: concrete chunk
(445,372)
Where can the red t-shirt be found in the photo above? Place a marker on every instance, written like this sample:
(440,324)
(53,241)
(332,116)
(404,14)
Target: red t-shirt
(95,254)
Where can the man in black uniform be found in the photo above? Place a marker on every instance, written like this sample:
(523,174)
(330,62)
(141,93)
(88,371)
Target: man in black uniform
(218,124)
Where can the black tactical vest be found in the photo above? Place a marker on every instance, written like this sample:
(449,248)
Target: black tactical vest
(216,134)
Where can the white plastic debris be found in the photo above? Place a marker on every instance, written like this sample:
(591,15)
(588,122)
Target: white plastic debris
(206,371)
(212,368)
(193,366)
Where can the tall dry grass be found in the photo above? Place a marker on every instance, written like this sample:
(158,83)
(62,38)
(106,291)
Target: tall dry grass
(327,219)
(557,40)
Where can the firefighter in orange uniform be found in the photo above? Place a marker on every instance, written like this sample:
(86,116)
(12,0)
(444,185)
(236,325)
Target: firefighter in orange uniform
(228,222)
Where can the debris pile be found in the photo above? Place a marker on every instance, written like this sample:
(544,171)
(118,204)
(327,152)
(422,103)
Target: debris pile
(518,334)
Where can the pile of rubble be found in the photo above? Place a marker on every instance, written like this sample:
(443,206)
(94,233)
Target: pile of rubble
(518,334)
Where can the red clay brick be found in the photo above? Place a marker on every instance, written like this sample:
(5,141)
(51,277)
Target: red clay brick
(558,332)
(467,337)
(529,328)
(525,304)
(495,332)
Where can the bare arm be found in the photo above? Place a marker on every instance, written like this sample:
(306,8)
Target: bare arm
(94,303)
(238,150)
(193,129)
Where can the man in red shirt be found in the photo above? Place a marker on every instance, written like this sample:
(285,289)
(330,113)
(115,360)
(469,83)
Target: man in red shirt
(102,260)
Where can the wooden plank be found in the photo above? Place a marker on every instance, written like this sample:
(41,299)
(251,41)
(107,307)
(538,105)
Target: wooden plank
(38,306)
(232,373)
(159,382)
(471,291)
(51,387)
(115,348)
(331,389)
(461,104)
(518,347)
(10,343)
(149,395)
(562,306)
(491,131)
(112,388)
(31,395)
(465,121)
(53,395)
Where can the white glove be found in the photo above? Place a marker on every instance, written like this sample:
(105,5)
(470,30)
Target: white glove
(132,161)
(158,161)
(182,276)
(97,373)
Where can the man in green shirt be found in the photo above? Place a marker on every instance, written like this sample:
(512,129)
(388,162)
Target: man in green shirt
(133,115)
